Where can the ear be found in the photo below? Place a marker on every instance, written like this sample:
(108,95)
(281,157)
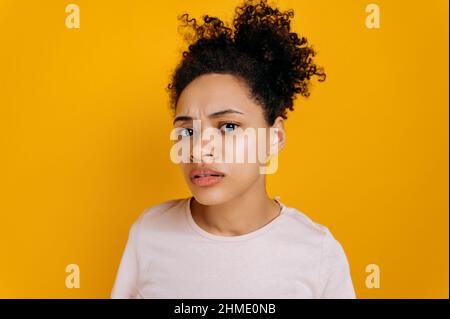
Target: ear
(277,140)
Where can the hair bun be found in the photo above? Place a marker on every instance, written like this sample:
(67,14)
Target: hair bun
(258,47)
(263,33)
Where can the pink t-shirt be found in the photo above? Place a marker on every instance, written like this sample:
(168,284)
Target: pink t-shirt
(169,256)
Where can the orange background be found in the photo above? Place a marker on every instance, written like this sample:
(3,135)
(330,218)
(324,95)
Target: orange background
(84,136)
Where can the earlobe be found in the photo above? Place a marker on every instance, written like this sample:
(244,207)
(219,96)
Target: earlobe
(280,134)
(275,140)
(275,145)
(277,137)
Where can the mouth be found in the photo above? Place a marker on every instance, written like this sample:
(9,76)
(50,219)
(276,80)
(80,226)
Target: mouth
(205,177)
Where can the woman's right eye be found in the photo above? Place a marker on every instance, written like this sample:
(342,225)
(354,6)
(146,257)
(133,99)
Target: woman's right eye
(184,131)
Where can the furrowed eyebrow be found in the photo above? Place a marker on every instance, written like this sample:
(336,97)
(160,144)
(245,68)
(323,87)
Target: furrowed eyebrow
(212,115)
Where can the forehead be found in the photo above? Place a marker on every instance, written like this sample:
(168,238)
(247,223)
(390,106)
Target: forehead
(210,93)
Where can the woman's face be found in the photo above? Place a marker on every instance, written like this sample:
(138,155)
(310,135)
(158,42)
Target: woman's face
(227,163)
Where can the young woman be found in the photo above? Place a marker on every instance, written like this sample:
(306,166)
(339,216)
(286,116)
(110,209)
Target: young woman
(230,239)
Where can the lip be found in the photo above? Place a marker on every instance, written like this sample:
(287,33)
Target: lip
(205,177)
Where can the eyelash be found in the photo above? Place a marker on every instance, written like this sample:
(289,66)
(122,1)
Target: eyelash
(235,125)
(191,131)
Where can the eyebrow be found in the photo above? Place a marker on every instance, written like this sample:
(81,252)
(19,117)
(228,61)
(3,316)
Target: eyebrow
(212,115)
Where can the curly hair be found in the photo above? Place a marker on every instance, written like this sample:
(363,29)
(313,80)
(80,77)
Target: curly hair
(259,48)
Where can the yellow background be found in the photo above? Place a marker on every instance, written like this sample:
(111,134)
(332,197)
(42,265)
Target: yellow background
(84,137)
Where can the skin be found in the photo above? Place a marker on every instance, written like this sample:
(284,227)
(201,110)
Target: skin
(239,204)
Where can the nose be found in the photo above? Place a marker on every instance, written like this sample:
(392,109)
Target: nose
(202,149)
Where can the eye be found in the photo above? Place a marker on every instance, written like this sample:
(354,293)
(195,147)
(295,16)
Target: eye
(184,131)
(228,127)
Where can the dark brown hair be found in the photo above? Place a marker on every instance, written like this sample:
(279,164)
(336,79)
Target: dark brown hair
(259,48)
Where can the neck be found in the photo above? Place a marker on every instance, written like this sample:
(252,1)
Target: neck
(242,214)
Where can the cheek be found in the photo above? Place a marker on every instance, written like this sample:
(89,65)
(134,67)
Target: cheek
(247,149)
(245,167)
(241,177)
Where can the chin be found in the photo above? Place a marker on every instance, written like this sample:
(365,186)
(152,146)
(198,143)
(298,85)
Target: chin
(209,196)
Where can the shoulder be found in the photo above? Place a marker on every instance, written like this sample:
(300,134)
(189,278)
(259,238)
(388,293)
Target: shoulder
(313,232)
(302,225)
(333,267)
(158,213)
(159,209)
(303,220)
(163,210)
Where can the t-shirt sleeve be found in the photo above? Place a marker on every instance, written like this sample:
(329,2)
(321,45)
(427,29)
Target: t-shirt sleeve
(126,278)
(334,271)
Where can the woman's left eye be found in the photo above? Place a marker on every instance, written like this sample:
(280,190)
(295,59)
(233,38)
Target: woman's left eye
(228,127)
